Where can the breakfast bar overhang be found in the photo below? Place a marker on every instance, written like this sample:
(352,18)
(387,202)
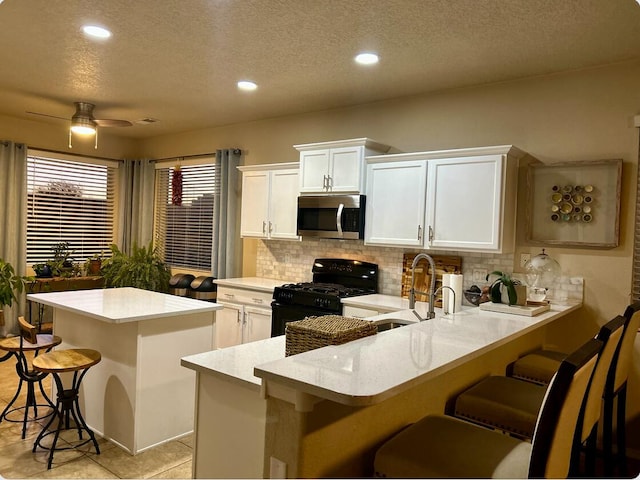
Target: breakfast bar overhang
(138,396)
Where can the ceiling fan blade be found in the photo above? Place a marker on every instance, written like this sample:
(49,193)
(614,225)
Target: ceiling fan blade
(47,115)
(112,123)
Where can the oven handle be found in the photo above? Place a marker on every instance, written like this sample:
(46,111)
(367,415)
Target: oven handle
(339,219)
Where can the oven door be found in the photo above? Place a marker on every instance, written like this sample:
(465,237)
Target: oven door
(283,313)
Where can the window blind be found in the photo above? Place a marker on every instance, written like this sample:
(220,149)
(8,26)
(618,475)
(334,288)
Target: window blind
(69,201)
(184,233)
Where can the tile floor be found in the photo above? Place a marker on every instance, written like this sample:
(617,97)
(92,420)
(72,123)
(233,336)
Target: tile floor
(171,460)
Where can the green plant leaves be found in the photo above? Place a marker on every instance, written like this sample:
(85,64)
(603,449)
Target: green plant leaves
(142,269)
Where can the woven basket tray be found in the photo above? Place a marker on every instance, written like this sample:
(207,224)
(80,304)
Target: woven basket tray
(316,332)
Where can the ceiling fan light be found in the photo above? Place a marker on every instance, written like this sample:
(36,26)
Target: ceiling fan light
(83,125)
(83,130)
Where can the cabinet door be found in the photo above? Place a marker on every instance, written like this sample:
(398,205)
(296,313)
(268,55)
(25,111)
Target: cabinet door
(345,169)
(283,204)
(464,203)
(395,203)
(314,170)
(255,209)
(229,325)
(257,324)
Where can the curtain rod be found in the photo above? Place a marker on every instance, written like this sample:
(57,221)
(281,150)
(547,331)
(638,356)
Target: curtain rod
(237,151)
(75,154)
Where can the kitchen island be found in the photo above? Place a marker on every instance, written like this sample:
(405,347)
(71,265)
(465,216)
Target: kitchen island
(323,413)
(138,396)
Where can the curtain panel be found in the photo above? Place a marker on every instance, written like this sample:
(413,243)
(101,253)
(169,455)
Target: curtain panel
(226,244)
(13,215)
(135,204)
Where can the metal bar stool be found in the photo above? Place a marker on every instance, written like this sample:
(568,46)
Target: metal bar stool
(77,361)
(28,341)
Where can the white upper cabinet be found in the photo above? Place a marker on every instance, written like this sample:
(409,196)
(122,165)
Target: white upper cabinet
(466,204)
(269,201)
(467,201)
(395,212)
(335,167)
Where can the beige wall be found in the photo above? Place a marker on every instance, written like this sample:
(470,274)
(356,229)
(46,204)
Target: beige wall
(583,115)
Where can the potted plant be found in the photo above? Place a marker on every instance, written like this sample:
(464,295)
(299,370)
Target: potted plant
(142,269)
(93,264)
(11,285)
(496,288)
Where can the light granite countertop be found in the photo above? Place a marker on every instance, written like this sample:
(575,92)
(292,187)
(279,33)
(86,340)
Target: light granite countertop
(122,305)
(251,283)
(372,369)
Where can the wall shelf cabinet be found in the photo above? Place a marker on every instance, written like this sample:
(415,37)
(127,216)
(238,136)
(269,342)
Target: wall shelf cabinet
(269,201)
(336,167)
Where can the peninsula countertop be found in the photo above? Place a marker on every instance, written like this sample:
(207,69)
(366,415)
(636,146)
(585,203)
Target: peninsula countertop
(372,369)
(121,305)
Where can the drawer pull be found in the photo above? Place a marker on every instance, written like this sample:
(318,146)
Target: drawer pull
(258,300)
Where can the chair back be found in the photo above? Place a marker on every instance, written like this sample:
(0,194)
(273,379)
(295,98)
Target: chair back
(28,332)
(618,376)
(610,334)
(553,438)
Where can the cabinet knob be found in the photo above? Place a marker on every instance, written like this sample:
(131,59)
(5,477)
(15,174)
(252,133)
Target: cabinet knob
(264,227)
(270,227)
(430,234)
(419,232)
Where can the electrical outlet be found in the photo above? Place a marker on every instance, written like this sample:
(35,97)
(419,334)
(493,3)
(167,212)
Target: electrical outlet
(479,275)
(277,468)
(524,259)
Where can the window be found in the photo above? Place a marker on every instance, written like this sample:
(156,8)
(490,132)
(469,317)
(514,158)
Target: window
(69,199)
(184,233)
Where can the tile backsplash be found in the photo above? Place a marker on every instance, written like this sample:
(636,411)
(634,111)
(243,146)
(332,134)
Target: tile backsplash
(292,261)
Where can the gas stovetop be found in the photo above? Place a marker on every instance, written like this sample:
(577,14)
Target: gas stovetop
(333,279)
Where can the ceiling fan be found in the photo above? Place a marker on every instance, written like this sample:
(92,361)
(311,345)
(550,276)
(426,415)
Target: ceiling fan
(84,123)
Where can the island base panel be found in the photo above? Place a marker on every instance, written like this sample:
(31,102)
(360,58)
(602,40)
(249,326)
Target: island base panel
(138,396)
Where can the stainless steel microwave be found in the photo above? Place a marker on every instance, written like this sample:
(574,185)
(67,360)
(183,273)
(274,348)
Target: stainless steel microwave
(331,216)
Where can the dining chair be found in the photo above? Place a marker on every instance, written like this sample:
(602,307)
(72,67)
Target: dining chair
(512,405)
(615,396)
(441,446)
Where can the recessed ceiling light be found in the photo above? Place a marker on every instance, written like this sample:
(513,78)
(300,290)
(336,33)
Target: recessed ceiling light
(247,85)
(367,58)
(95,31)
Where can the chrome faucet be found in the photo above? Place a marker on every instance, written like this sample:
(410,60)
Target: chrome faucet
(431,293)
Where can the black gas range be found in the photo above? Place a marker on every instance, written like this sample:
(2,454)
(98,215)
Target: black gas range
(333,279)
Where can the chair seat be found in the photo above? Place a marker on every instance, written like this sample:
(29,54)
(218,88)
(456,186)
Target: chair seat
(70,360)
(454,448)
(43,342)
(505,403)
(538,366)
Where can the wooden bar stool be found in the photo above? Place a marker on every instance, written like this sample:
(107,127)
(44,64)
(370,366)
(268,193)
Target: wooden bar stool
(28,341)
(77,361)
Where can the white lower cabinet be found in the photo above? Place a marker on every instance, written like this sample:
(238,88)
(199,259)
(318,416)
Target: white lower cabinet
(246,316)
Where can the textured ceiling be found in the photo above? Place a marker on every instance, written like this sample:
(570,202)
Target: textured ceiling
(178,60)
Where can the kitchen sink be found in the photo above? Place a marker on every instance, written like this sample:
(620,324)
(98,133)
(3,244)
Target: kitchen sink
(391,323)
